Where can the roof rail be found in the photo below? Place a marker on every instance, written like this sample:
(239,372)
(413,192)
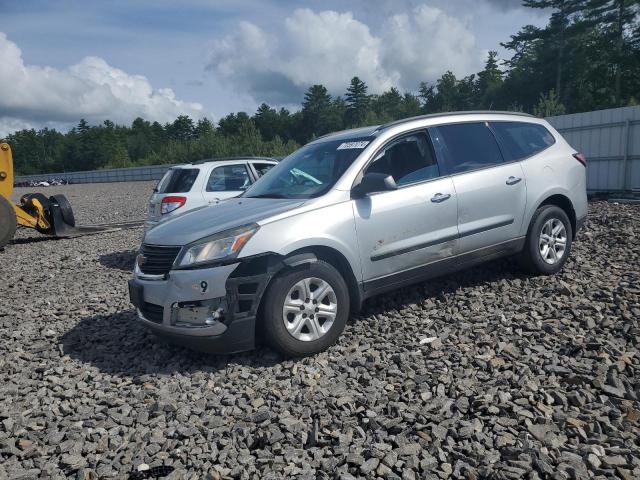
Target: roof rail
(222,159)
(345,130)
(445,114)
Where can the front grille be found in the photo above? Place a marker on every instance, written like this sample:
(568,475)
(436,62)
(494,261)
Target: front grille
(157,260)
(152,312)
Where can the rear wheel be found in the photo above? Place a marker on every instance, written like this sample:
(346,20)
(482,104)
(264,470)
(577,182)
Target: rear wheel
(8,222)
(306,309)
(548,241)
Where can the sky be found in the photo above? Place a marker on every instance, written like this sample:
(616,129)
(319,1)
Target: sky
(63,60)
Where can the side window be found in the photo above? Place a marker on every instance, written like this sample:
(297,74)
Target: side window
(228,178)
(262,168)
(466,146)
(520,139)
(409,159)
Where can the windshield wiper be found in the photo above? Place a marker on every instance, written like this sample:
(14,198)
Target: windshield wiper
(268,195)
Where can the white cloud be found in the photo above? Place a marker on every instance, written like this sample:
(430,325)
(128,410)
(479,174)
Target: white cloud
(331,47)
(33,95)
(423,45)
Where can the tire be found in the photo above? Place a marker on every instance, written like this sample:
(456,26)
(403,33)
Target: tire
(8,222)
(313,334)
(537,259)
(65,209)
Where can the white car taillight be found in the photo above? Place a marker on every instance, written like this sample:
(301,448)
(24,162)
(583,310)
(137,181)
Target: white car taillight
(581,158)
(171,203)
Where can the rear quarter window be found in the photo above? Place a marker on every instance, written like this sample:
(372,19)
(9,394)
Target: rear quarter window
(178,180)
(521,140)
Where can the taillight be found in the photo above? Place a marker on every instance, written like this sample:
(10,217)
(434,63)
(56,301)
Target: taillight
(581,158)
(171,203)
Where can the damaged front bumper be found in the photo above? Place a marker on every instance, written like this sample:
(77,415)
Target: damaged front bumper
(207,309)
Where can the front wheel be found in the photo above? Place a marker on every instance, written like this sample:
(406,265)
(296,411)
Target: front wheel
(548,241)
(306,309)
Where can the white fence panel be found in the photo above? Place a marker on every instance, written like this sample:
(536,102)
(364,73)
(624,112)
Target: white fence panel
(610,139)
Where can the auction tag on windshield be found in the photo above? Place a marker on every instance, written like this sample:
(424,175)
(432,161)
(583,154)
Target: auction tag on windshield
(346,145)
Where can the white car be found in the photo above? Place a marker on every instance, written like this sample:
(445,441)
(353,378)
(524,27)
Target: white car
(202,183)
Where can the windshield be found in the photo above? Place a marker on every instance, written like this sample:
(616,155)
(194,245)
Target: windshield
(310,171)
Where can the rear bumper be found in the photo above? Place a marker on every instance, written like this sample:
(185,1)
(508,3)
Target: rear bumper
(204,309)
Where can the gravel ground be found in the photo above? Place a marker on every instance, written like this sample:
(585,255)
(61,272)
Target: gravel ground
(484,374)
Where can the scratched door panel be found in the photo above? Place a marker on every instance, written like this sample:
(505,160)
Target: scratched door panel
(404,228)
(491,205)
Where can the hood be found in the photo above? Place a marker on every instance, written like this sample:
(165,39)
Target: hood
(202,222)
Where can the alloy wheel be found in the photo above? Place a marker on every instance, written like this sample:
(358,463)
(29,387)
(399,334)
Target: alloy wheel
(310,308)
(553,241)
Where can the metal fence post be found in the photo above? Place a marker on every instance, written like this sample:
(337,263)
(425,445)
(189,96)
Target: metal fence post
(625,155)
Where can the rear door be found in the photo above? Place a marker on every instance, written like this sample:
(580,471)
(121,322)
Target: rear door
(226,181)
(491,192)
(403,230)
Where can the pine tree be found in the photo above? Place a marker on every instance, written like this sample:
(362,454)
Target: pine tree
(549,105)
(267,120)
(618,22)
(410,105)
(316,111)
(357,102)
(234,123)
(448,96)
(119,157)
(427,95)
(563,11)
(489,82)
(204,127)
(182,128)
(388,106)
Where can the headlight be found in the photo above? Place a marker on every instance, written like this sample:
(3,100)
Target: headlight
(220,246)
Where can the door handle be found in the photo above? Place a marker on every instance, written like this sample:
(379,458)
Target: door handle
(440,197)
(513,180)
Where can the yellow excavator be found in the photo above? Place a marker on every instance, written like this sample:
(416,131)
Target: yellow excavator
(48,215)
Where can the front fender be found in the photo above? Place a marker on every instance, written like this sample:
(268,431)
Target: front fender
(332,227)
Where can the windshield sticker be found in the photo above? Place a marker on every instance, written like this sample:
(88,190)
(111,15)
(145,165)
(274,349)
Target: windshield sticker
(346,145)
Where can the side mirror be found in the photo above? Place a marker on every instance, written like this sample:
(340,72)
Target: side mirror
(374,182)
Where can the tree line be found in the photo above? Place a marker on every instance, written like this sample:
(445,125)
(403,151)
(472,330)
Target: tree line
(586,58)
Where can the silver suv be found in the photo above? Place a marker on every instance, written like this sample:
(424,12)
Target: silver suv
(354,214)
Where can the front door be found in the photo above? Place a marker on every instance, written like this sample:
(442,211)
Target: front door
(402,230)
(491,193)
